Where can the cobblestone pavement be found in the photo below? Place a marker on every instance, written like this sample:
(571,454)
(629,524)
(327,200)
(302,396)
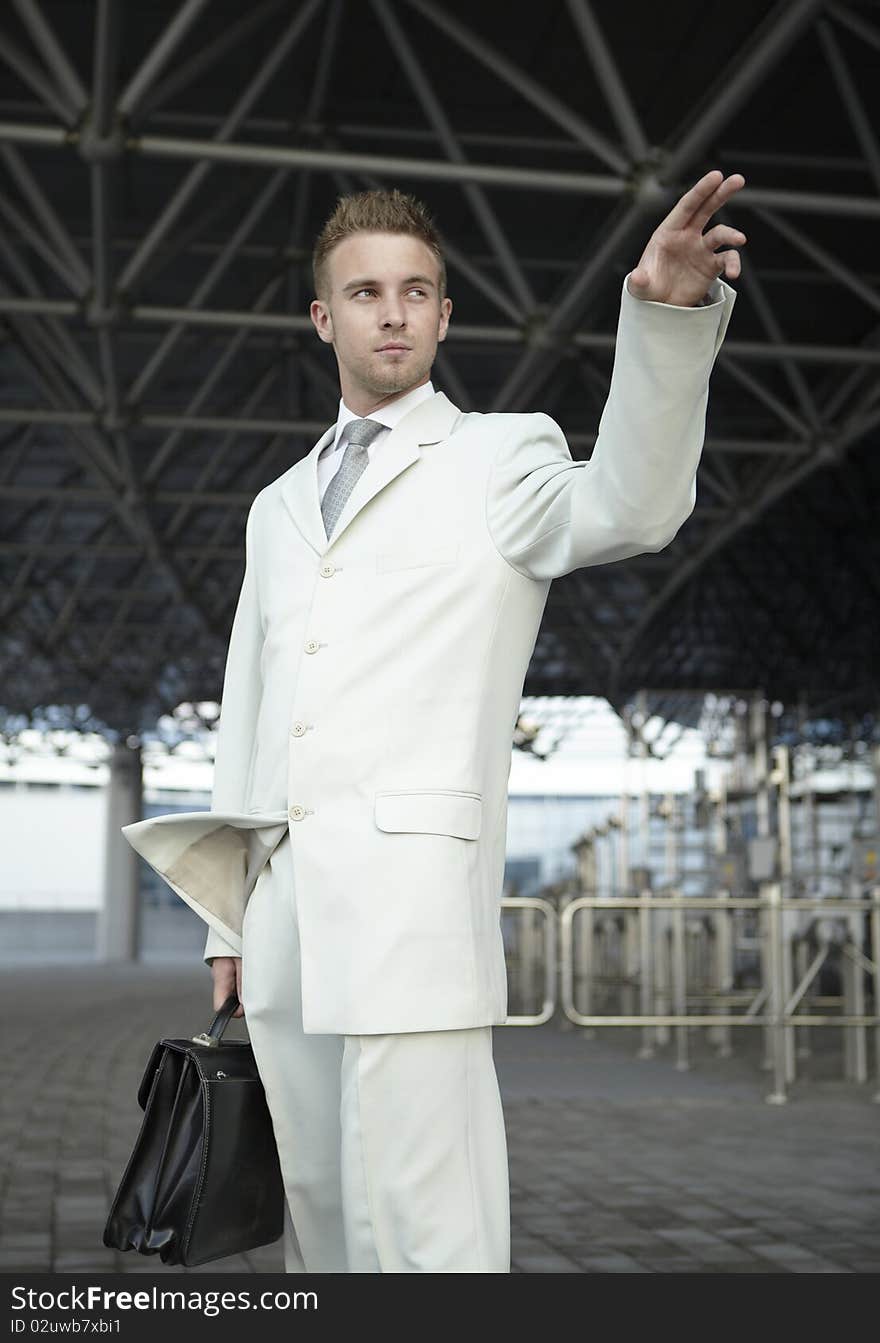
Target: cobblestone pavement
(618,1164)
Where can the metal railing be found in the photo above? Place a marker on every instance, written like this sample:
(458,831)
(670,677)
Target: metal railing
(648,968)
(527,947)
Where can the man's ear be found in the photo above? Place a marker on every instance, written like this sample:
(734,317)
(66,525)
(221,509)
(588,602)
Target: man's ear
(445,314)
(322,321)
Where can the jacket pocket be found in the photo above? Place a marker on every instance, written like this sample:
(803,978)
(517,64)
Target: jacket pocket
(418,556)
(442,811)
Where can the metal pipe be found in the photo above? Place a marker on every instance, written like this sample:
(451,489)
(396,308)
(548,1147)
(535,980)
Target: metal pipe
(194,423)
(47,217)
(187,188)
(104,65)
(646,983)
(435,114)
(769,320)
(548,1006)
(522,83)
(824,259)
(67,358)
(598,53)
(781,29)
(215,273)
(875,956)
(751,1018)
(159,55)
(234,37)
(478,334)
(776,35)
(777,1032)
(53,54)
(39,244)
(30,74)
(394,166)
(854,997)
(849,96)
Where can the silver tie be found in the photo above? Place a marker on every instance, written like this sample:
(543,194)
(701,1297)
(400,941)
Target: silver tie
(354,461)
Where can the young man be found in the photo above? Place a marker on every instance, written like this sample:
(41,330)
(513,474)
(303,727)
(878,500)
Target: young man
(351,866)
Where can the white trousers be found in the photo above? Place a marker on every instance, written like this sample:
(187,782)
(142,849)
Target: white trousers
(392,1147)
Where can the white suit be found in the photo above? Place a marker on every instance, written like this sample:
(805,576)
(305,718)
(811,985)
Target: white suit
(373,680)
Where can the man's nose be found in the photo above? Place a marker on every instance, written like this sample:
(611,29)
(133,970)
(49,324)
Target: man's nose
(393,315)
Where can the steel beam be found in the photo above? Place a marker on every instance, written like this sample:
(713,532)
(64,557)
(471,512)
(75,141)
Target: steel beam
(475,195)
(66,250)
(757,351)
(158,57)
(30,74)
(782,27)
(849,96)
(745,516)
(522,84)
(193,180)
(53,54)
(397,167)
(850,279)
(233,38)
(785,24)
(206,285)
(598,53)
(54,336)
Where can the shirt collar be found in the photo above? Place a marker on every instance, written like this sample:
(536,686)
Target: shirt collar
(389,415)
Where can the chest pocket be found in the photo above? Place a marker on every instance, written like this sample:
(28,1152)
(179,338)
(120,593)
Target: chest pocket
(417,555)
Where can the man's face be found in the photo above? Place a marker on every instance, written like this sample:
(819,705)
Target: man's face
(383,315)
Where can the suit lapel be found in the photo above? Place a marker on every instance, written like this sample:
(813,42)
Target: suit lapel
(430,421)
(299,490)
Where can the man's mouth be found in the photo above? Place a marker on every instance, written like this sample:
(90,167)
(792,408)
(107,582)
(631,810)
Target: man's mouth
(394,347)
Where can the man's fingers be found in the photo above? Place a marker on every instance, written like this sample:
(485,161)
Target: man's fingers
(722,193)
(698,205)
(683,211)
(723,233)
(227,979)
(224,979)
(221,993)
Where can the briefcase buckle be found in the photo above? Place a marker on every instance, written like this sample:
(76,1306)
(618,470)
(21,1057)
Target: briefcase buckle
(211,1036)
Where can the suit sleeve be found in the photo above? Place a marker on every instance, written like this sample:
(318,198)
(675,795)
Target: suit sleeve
(239,707)
(548,514)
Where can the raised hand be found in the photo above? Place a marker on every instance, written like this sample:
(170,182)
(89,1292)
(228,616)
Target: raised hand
(680,262)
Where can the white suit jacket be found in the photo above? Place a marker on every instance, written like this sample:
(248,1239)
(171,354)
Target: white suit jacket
(373,681)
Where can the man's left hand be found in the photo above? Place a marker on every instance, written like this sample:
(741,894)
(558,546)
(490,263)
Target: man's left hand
(680,262)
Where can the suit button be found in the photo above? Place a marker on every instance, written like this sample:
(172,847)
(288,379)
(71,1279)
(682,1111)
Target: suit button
(312,645)
(298,729)
(328,570)
(296,813)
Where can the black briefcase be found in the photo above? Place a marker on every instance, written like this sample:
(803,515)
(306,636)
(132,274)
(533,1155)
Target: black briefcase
(203,1180)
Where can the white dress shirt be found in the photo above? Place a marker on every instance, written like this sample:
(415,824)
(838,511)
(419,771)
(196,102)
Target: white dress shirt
(330,458)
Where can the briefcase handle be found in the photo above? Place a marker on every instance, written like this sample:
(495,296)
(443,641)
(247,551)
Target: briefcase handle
(218,1025)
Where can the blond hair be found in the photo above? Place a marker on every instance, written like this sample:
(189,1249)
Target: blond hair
(375,212)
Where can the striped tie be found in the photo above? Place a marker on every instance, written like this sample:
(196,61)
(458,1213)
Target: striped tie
(354,461)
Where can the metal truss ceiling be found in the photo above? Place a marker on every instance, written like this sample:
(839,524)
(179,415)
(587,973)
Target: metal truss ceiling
(163,171)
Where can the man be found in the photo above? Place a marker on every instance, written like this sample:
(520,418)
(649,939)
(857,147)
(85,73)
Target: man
(351,866)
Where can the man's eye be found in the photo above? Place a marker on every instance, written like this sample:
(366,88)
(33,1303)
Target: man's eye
(417,291)
(364,291)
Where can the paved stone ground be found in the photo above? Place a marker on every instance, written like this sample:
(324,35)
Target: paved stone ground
(618,1164)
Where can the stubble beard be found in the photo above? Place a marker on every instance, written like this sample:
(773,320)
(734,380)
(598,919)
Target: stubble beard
(390,379)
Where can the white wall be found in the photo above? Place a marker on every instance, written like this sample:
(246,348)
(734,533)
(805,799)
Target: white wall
(52,842)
